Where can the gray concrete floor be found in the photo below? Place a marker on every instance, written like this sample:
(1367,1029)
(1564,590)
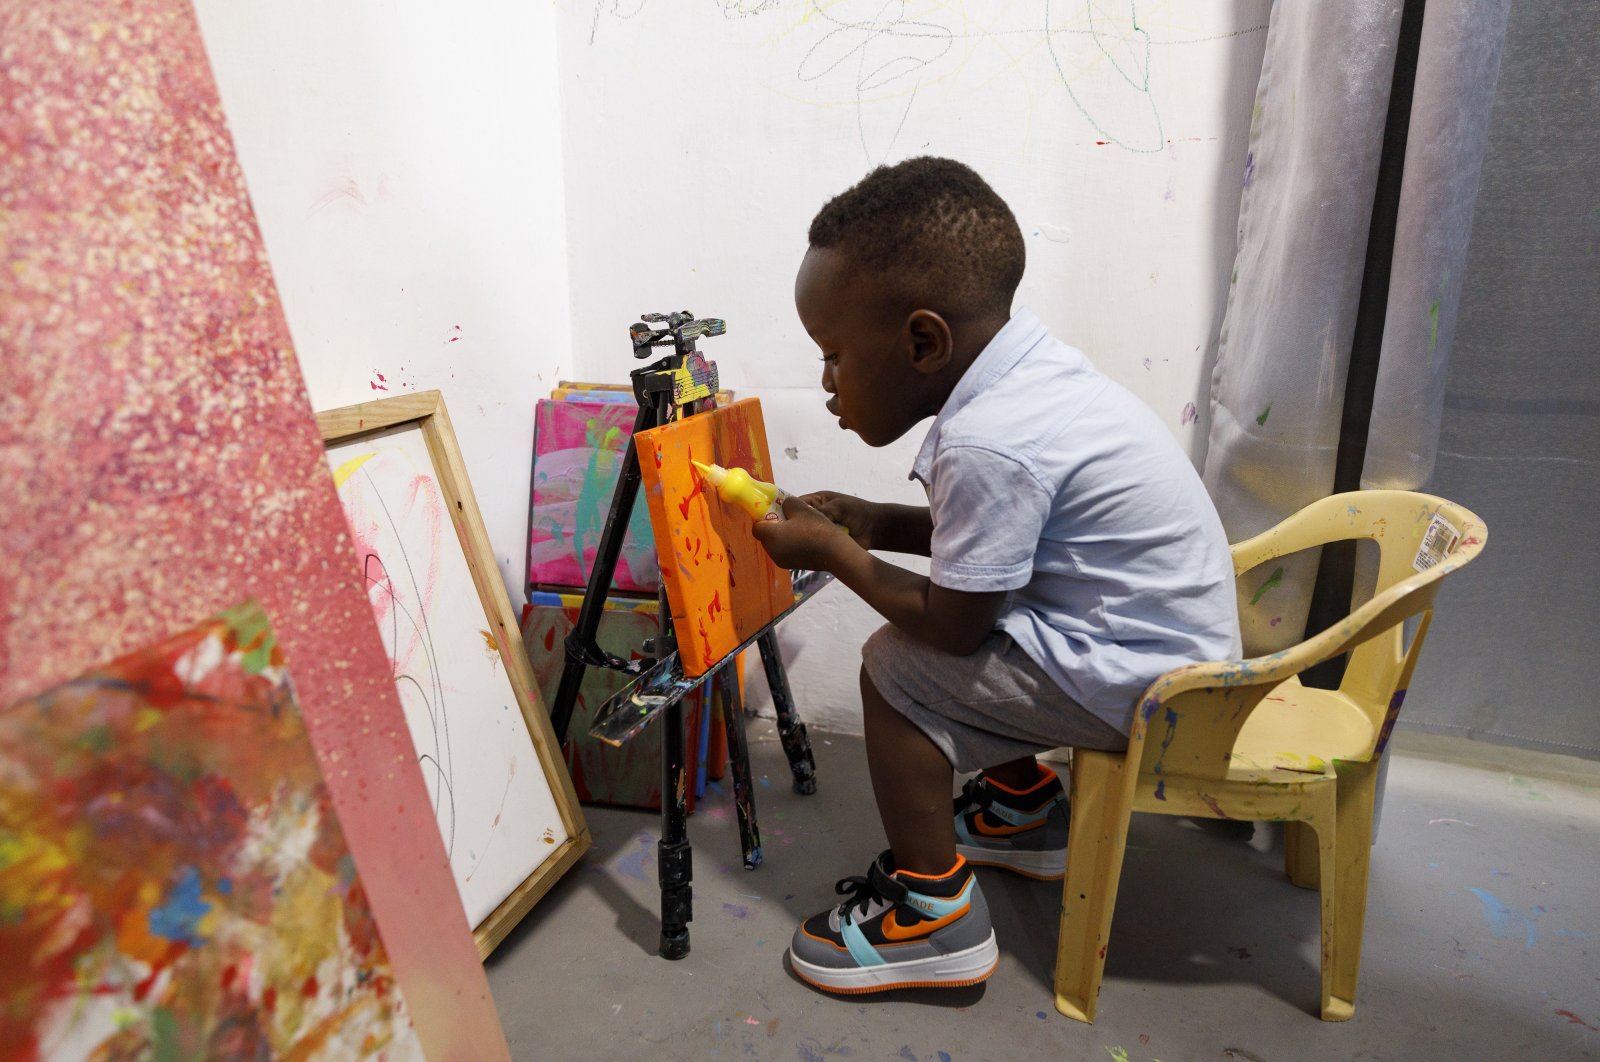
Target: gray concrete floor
(1482,933)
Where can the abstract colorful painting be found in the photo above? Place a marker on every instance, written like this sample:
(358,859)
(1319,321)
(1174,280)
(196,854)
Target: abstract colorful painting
(579,446)
(629,776)
(173,879)
(496,784)
(722,586)
(159,454)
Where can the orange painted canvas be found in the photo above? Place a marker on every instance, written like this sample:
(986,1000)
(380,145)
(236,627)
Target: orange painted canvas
(721,584)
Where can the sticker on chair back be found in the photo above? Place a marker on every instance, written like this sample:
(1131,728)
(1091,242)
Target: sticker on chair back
(1438,540)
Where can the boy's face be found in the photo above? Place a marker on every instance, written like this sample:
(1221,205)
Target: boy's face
(867,357)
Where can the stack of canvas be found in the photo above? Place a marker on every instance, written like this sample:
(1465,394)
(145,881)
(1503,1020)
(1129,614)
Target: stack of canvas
(581,438)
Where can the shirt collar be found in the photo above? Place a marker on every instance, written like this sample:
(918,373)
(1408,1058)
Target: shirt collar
(1018,336)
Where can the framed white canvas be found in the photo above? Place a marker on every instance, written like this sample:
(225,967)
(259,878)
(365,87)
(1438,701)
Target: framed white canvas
(501,793)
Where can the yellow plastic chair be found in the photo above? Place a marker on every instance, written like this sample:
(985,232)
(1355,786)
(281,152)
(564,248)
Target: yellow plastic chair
(1243,739)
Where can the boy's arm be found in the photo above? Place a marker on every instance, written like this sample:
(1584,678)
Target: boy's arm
(878,525)
(906,529)
(952,620)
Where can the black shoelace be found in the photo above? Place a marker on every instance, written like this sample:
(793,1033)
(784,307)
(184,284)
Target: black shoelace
(863,889)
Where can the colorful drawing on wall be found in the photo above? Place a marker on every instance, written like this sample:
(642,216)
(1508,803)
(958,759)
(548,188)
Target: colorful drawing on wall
(499,790)
(629,776)
(722,586)
(174,882)
(158,450)
(579,446)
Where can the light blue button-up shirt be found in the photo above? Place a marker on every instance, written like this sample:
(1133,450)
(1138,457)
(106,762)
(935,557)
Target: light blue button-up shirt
(1049,480)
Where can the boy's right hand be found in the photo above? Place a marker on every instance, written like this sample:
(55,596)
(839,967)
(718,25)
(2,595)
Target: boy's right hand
(858,517)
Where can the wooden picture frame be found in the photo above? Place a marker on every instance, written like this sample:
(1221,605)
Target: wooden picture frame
(388,418)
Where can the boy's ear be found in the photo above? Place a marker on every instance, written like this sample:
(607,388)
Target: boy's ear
(929,341)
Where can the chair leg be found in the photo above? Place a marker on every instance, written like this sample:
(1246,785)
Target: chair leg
(1300,854)
(1322,831)
(1101,805)
(1352,860)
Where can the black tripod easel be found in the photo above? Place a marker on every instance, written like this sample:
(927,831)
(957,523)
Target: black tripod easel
(679,385)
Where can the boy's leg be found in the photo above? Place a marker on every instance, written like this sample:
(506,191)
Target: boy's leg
(911,779)
(917,918)
(1015,774)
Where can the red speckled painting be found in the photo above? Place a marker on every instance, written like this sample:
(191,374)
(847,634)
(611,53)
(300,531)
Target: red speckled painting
(722,586)
(173,879)
(158,449)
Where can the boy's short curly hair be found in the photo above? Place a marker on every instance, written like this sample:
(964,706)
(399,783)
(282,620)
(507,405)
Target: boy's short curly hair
(932,233)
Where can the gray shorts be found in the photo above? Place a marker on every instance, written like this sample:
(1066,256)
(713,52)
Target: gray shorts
(982,710)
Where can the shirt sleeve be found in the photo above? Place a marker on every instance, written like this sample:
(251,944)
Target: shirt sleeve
(989,512)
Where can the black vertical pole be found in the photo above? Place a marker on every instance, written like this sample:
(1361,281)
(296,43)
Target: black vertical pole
(674,857)
(1330,597)
(791,731)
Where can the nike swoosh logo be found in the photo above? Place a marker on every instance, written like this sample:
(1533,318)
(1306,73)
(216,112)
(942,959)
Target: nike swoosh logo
(898,933)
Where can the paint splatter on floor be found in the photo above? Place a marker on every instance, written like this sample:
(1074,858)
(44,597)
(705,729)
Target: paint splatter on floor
(1507,921)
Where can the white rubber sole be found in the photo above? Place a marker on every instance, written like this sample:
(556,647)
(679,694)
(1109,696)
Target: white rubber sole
(1047,865)
(939,971)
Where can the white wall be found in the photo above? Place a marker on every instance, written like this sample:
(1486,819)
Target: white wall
(701,138)
(480,198)
(405,165)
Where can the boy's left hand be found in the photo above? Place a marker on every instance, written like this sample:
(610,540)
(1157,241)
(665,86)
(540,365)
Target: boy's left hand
(803,539)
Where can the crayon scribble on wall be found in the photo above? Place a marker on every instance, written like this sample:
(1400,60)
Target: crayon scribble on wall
(174,882)
(722,586)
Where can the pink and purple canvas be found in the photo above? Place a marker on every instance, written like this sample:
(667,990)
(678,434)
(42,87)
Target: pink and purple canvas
(578,450)
(174,882)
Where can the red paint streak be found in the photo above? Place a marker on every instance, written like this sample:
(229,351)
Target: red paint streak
(550,639)
(1102,143)
(1567,1014)
(699,487)
(269,999)
(309,989)
(715,606)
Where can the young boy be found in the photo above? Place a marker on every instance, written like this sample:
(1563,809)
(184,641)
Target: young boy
(1075,557)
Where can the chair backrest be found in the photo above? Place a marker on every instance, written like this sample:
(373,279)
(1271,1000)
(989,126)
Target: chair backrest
(1190,718)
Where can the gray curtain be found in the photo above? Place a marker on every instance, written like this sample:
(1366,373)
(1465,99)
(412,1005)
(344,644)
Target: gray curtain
(1512,654)
(1278,384)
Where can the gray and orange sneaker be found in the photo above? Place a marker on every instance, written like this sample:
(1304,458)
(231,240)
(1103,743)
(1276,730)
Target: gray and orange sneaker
(898,930)
(1023,830)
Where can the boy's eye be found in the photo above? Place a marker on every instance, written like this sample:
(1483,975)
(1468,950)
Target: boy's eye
(830,358)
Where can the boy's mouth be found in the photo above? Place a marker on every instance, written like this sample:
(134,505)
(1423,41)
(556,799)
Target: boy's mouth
(832,406)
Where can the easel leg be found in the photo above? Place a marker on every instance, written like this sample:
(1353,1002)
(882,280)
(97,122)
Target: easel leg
(674,857)
(744,799)
(791,731)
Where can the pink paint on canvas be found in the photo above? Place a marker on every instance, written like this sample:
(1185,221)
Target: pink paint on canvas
(159,452)
(578,452)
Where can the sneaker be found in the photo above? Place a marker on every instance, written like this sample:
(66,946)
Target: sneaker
(898,930)
(1021,830)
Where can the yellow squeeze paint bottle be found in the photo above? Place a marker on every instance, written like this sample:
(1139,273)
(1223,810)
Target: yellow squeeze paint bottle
(763,501)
